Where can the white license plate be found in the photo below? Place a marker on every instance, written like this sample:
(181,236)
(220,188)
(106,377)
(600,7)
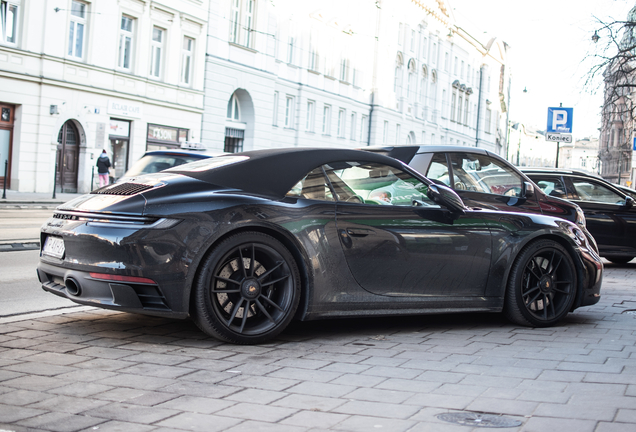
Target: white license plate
(54,246)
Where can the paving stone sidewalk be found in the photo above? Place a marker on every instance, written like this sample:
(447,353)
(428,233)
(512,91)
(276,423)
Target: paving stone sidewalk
(97,370)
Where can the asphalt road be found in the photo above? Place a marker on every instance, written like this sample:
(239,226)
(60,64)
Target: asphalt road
(20,291)
(22,224)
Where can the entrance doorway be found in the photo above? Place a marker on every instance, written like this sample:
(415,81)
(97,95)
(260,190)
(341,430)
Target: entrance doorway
(6,132)
(120,157)
(67,158)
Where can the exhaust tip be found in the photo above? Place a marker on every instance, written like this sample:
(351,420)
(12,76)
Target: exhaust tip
(72,286)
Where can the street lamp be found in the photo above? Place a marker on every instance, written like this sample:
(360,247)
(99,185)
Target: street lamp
(595,37)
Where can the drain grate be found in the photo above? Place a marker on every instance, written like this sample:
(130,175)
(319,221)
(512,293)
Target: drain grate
(479,420)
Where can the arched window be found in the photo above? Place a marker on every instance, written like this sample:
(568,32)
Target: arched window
(423,85)
(412,85)
(399,66)
(233,111)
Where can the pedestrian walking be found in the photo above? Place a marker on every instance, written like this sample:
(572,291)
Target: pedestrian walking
(103,163)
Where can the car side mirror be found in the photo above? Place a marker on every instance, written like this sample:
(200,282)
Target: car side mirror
(528,190)
(446,197)
(629,202)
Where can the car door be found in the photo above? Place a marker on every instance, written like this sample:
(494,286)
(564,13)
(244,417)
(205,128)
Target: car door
(609,220)
(395,248)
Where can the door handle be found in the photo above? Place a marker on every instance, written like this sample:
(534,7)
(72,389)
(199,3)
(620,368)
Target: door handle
(359,232)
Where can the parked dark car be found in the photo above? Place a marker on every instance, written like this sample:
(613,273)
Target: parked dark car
(610,212)
(244,243)
(158,160)
(483,180)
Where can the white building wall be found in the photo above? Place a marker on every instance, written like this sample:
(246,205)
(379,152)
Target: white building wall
(369,37)
(36,73)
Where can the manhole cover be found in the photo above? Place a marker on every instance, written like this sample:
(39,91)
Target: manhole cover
(479,420)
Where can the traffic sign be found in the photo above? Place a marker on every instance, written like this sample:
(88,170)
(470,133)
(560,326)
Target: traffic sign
(558,137)
(560,120)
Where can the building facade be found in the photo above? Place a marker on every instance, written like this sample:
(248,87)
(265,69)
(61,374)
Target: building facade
(283,73)
(79,76)
(618,124)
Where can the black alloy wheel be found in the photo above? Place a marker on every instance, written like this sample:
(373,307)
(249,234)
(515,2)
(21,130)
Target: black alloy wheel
(542,285)
(247,290)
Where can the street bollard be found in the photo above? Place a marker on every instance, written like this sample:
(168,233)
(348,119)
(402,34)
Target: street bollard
(4,182)
(55,180)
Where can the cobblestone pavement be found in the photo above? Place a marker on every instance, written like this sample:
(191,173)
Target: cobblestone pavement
(97,370)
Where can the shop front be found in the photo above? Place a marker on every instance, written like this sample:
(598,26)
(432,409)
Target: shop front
(161,137)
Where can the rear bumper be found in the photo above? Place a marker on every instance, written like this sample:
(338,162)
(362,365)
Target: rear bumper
(82,288)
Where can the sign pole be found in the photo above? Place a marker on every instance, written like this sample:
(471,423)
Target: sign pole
(556,165)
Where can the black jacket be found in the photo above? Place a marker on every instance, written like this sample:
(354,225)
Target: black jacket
(103,163)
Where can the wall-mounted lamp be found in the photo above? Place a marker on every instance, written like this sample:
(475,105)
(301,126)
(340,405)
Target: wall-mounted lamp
(53,110)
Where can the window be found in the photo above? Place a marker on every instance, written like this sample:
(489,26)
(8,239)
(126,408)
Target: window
(364,129)
(186,60)
(552,186)
(400,34)
(156,50)
(289,112)
(125,42)
(341,123)
(313,51)
(484,174)
(353,126)
(242,22)
(385,132)
(412,40)
(446,62)
(398,131)
(76,30)
(488,120)
(326,120)
(456,66)
(291,45)
(424,46)
(376,184)
(397,84)
(309,125)
(275,110)
(438,169)
(453,104)
(233,112)
(460,101)
(314,186)
(466,111)
(588,190)
(9,21)
(344,69)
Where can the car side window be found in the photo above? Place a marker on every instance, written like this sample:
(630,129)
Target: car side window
(552,186)
(438,169)
(588,190)
(479,173)
(313,186)
(376,184)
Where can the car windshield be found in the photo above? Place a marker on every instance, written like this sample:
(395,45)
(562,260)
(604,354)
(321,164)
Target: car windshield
(154,163)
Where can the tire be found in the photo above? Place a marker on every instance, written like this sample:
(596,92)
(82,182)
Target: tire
(542,285)
(246,304)
(619,259)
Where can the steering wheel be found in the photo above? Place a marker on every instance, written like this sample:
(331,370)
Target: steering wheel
(460,185)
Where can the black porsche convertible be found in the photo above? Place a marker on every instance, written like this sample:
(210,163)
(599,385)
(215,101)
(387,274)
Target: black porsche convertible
(245,243)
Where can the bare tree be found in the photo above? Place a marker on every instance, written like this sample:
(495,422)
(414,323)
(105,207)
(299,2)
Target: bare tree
(615,62)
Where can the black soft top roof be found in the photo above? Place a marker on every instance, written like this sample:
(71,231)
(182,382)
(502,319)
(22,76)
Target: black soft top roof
(274,172)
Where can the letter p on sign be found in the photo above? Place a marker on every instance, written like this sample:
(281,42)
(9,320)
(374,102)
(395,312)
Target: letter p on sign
(560,120)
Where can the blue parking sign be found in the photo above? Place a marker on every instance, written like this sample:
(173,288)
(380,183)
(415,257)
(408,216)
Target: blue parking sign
(560,120)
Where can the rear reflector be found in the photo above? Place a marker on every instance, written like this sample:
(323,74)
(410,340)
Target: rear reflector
(118,278)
